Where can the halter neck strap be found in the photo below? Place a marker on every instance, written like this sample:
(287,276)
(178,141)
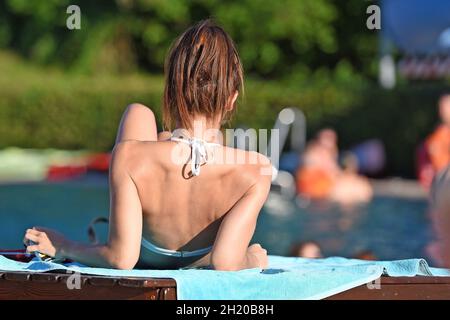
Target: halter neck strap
(199,154)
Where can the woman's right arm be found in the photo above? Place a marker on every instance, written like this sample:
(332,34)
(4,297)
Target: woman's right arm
(125,227)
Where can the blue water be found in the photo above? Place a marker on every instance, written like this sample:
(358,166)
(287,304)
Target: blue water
(391,228)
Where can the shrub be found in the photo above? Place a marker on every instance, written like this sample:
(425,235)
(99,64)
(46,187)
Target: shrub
(42,108)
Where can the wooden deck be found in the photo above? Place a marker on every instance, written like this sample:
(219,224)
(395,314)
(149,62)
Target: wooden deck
(401,288)
(43,286)
(19,285)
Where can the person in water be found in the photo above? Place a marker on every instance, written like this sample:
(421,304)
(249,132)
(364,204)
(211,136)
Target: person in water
(438,143)
(177,200)
(319,168)
(433,154)
(439,198)
(319,177)
(307,249)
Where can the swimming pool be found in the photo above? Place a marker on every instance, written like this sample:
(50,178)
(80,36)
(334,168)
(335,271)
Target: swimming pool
(392,228)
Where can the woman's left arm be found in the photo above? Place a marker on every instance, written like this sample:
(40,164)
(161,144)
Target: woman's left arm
(125,225)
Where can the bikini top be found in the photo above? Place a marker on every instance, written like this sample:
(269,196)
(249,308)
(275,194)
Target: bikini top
(199,155)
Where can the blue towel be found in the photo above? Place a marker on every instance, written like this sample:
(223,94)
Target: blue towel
(286,278)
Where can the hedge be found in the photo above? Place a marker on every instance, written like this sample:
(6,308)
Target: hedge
(41,108)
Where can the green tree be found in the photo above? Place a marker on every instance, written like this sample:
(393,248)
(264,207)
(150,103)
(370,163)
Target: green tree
(275,38)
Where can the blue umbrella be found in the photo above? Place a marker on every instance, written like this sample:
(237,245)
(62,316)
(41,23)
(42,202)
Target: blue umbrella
(417,26)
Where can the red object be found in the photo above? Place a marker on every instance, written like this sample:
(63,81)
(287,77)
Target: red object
(425,171)
(99,162)
(315,183)
(437,146)
(59,173)
(14,255)
(21,255)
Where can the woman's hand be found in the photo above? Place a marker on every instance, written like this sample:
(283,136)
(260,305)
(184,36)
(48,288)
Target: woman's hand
(46,241)
(257,256)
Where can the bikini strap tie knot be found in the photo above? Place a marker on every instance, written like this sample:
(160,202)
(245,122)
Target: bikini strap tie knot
(199,155)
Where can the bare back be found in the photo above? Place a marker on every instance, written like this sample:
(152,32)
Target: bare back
(180,211)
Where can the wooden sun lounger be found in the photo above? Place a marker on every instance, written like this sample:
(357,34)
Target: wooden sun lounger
(20,285)
(401,288)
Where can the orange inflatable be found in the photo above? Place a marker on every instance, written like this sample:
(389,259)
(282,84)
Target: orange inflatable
(314,182)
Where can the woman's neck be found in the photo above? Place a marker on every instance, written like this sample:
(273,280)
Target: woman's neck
(201,129)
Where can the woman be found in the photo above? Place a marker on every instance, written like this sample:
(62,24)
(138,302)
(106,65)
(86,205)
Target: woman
(439,250)
(177,200)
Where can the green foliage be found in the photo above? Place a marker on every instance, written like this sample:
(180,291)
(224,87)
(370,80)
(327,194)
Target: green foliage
(275,38)
(66,111)
(313,54)
(402,118)
(83,112)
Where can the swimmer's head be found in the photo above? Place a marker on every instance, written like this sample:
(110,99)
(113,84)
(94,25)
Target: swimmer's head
(203,76)
(308,249)
(444,108)
(327,135)
(328,138)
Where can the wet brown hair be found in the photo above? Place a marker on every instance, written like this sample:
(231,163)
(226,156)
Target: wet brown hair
(203,71)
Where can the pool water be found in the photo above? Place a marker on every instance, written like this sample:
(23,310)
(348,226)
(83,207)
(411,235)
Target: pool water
(391,228)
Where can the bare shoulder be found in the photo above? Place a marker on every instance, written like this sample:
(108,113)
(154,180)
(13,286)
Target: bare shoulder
(164,135)
(124,150)
(251,166)
(131,154)
(121,155)
(261,171)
